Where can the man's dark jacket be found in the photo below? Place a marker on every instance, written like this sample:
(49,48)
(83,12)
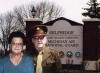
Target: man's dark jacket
(50,61)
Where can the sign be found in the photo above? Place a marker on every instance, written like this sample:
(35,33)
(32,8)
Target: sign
(68,40)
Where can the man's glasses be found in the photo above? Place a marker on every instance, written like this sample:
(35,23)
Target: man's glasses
(39,37)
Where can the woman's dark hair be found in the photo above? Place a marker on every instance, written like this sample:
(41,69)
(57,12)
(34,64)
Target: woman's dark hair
(17,34)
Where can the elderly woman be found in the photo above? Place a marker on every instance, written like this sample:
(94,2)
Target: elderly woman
(16,61)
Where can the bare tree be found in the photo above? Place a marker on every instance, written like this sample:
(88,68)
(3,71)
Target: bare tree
(13,21)
(48,11)
(44,10)
(7,24)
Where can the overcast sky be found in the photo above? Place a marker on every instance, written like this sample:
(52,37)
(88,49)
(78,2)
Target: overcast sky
(72,8)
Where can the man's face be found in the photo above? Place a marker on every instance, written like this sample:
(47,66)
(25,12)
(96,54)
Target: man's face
(16,45)
(39,40)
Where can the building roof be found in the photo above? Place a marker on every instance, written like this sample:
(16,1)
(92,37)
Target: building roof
(62,18)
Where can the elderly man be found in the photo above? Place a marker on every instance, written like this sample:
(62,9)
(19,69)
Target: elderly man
(45,59)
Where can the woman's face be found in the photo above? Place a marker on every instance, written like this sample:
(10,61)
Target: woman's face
(16,45)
